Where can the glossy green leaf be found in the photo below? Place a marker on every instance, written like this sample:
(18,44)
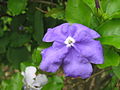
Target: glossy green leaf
(90,3)
(15,83)
(116,15)
(54,83)
(16,6)
(113,6)
(110,33)
(78,12)
(17,55)
(111,40)
(104,4)
(38,26)
(111,58)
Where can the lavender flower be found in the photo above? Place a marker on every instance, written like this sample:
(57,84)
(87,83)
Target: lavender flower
(74,48)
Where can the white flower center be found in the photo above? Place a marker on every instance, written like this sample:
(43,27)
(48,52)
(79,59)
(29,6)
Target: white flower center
(69,41)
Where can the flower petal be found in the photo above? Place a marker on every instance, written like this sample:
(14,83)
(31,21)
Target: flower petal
(58,44)
(30,69)
(29,75)
(76,65)
(92,50)
(83,36)
(62,31)
(40,81)
(81,28)
(52,58)
(56,34)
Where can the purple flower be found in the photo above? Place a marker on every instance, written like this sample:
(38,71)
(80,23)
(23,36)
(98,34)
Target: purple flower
(74,48)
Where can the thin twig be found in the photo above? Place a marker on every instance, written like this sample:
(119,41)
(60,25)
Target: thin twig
(96,74)
(41,10)
(92,84)
(44,2)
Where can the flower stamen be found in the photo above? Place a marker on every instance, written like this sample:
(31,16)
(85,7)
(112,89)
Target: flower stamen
(69,41)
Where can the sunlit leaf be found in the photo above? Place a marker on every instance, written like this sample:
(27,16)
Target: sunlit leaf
(16,6)
(78,12)
(90,3)
(113,6)
(110,33)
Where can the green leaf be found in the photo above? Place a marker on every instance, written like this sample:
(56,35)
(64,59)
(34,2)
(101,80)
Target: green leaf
(17,55)
(94,22)
(57,13)
(5,85)
(110,33)
(16,6)
(111,40)
(36,56)
(90,3)
(38,26)
(19,39)
(113,6)
(54,83)
(116,70)
(4,42)
(44,45)
(116,15)
(104,4)
(15,83)
(78,12)
(111,58)
(23,65)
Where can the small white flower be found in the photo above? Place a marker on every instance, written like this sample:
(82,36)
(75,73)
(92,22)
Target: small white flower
(31,81)
(29,75)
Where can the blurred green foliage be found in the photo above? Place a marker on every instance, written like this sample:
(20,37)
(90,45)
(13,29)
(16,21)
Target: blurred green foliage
(23,24)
